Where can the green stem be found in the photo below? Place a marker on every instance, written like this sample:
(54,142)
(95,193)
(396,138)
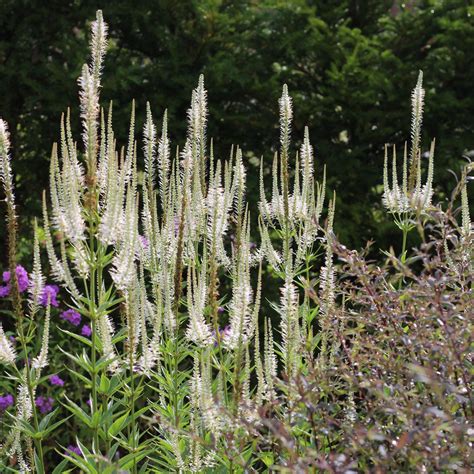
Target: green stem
(132,396)
(93,315)
(38,442)
(175,377)
(94,382)
(404,244)
(405,227)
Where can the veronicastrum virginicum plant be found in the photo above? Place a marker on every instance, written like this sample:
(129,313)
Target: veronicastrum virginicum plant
(152,253)
(176,368)
(410,201)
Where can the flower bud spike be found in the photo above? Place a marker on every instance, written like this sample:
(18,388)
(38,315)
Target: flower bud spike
(164,162)
(98,46)
(466,224)
(36,278)
(41,361)
(149,147)
(7,352)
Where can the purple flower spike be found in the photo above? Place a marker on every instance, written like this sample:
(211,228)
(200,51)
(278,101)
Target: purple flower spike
(72,316)
(51,292)
(45,404)
(6,401)
(73,449)
(56,380)
(86,330)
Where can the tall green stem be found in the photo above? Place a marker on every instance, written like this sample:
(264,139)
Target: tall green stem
(404,244)
(405,228)
(93,260)
(132,400)
(29,383)
(94,356)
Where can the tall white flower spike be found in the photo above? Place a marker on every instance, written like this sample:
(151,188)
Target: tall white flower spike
(7,352)
(411,196)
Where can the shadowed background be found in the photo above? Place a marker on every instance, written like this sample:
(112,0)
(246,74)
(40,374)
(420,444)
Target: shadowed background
(350,67)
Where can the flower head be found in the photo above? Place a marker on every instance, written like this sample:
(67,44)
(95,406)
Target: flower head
(144,241)
(22,278)
(72,316)
(411,196)
(86,330)
(51,292)
(7,352)
(72,448)
(56,380)
(44,404)
(6,401)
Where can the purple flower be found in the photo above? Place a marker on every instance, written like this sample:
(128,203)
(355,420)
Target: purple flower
(45,404)
(86,330)
(51,292)
(72,316)
(144,241)
(223,333)
(21,276)
(6,401)
(56,380)
(73,449)
(220,309)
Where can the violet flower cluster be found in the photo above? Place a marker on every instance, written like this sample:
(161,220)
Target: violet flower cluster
(22,277)
(49,291)
(44,404)
(72,316)
(6,401)
(56,380)
(72,448)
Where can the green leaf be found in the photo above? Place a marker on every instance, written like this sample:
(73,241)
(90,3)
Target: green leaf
(127,461)
(45,421)
(84,379)
(78,337)
(118,425)
(38,464)
(79,412)
(104,384)
(49,430)
(59,469)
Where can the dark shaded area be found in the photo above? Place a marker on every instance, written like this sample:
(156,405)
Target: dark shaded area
(349,65)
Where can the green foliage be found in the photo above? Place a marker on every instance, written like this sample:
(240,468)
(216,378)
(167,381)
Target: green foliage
(347,363)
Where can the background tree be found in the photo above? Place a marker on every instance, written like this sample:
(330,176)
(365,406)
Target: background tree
(349,65)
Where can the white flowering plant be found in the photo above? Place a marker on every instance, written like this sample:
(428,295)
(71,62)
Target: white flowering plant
(172,362)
